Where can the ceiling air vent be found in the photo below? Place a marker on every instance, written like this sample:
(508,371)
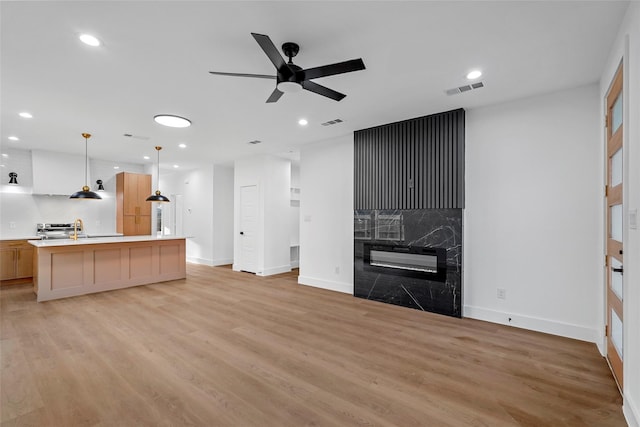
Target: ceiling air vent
(331,122)
(143,138)
(465,88)
(255,141)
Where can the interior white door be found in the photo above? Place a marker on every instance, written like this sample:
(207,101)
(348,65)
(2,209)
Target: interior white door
(248,228)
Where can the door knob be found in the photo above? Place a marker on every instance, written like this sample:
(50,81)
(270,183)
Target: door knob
(242,233)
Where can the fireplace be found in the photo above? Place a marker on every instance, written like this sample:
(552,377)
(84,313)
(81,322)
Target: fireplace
(411,258)
(401,260)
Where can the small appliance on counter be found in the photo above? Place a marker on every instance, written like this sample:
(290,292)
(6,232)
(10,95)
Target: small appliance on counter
(58,231)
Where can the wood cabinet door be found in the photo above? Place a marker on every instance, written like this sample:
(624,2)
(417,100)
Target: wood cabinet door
(131,203)
(144,224)
(24,266)
(143,190)
(7,264)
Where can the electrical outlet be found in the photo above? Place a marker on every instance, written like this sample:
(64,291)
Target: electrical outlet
(502,293)
(12,225)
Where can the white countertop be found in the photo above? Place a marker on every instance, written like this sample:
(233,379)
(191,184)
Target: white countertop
(32,237)
(99,240)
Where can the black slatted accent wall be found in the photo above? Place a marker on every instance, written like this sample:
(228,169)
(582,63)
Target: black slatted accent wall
(414,164)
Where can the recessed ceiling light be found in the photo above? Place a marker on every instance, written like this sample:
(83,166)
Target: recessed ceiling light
(116,167)
(14,138)
(474,74)
(176,166)
(172,121)
(183,145)
(303,122)
(89,39)
(146,157)
(26,115)
(5,155)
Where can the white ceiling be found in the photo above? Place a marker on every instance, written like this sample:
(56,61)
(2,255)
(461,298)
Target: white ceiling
(156,56)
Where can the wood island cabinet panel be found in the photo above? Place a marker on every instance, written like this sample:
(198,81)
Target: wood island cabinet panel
(133,212)
(79,269)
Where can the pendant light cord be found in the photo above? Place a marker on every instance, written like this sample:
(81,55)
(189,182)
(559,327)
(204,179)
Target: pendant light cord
(86,157)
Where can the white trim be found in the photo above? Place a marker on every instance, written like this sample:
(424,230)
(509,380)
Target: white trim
(631,413)
(346,288)
(274,270)
(532,323)
(295,264)
(210,262)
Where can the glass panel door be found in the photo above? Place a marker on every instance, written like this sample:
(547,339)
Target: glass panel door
(615,227)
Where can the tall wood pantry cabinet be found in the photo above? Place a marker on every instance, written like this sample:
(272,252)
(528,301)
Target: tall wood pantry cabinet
(133,212)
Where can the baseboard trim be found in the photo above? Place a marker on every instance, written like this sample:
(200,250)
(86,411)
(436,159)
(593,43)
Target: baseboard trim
(346,288)
(532,323)
(631,413)
(295,264)
(274,270)
(203,261)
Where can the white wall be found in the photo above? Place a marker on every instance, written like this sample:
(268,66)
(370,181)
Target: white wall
(222,215)
(207,195)
(326,210)
(533,214)
(20,208)
(272,176)
(627,46)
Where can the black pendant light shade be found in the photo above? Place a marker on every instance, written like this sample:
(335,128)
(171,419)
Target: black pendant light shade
(157,197)
(100,186)
(86,192)
(13,178)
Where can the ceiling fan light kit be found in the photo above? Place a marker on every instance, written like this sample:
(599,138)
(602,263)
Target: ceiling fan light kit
(292,78)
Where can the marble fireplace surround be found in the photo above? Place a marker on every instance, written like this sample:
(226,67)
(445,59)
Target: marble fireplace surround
(414,228)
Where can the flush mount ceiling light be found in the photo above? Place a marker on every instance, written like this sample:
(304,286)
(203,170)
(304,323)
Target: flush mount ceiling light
(14,138)
(176,166)
(303,122)
(86,192)
(25,115)
(90,40)
(289,87)
(172,121)
(157,197)
(474,74)
(183,145)
(146,157)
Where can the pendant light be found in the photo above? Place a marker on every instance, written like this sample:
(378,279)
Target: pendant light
(86,192)
(13,178)
(157,197)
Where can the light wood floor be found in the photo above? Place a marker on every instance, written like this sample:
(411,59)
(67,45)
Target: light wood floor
(232,349)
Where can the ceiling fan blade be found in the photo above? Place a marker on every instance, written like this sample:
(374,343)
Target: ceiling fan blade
(259,76)
(272,52)
(275,95)
(321,90)
(330,70)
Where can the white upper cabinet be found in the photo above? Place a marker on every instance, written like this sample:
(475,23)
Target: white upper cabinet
(58,173)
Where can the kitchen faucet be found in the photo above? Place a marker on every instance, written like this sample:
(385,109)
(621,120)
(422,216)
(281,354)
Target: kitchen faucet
(74,236)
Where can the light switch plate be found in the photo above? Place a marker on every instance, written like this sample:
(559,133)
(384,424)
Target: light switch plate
(633,219)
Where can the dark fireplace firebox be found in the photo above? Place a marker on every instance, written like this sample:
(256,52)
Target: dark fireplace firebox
(401,260)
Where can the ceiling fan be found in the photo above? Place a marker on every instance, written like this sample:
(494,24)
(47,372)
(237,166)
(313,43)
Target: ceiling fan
(291,78)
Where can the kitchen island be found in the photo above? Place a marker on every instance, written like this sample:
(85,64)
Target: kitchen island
(66,267)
